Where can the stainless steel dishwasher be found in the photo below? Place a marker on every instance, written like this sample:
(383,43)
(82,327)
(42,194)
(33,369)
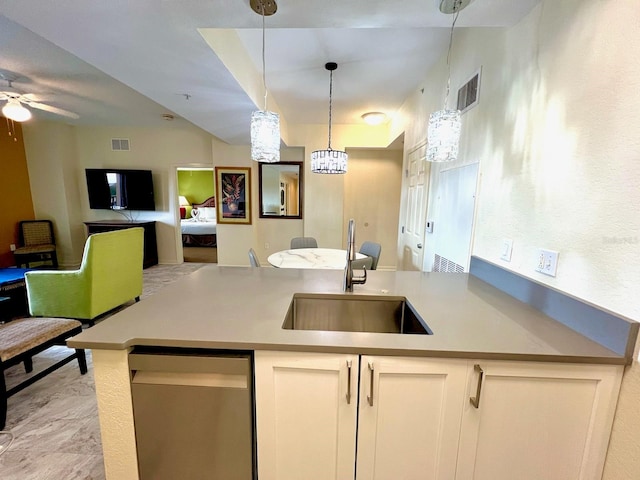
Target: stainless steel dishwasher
(193,413)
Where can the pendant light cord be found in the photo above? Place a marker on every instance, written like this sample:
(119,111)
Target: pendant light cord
(330,96)
(264,75)
(455,19)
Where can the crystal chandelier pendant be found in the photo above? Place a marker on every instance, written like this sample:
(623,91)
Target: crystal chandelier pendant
(265,136)
(328,161)
(443,135)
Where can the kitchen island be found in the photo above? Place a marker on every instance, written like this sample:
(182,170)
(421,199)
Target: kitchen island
(235,308)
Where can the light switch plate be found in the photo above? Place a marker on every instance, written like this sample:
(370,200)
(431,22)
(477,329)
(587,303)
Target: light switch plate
(507,247)
(547,262)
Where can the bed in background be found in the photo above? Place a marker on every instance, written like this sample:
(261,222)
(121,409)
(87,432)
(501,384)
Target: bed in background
(200,230)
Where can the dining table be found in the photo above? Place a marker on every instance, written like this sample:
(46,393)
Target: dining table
(327,258)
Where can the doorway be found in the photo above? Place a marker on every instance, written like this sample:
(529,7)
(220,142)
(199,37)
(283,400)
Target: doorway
(196,200)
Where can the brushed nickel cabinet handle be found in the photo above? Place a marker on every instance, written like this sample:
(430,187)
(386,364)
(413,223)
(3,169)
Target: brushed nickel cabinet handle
(370,396)
(475,401)
(348,382)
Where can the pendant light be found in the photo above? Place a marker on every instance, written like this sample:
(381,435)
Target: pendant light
(265,125)
(329,161)
(443,133)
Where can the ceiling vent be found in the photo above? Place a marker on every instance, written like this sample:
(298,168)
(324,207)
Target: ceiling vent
(469,93)
(120,144)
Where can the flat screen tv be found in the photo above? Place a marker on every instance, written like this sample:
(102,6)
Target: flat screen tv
(118,189)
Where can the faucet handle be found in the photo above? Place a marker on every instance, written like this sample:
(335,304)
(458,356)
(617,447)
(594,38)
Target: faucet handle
(360,280)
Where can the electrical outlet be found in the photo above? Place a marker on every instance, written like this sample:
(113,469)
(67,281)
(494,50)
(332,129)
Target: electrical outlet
(266,246)
(12,247)
(547,262)
(507,247)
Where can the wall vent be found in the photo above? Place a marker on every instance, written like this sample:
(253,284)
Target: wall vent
(469,93)
(120,144)
(441,264)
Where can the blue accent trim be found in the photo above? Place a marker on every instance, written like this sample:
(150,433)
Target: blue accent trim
(606,328)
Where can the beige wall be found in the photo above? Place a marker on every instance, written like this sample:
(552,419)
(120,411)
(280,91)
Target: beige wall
(372,199)
(58,154)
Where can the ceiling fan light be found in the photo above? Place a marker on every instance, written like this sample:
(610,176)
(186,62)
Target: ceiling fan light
(443,134)
(265,136)
(14,110)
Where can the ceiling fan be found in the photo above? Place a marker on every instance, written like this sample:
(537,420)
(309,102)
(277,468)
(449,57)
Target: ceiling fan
(15,108)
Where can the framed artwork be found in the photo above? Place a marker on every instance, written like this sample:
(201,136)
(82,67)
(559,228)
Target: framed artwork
(233,195)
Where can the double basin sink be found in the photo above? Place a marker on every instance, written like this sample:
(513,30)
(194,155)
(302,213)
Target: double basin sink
(354,313)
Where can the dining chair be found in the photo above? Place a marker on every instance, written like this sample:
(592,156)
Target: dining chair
(371,249)
(253,258)
(304,242)
(362,263)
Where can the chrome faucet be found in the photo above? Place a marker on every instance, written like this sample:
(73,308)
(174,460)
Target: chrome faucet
(349,280)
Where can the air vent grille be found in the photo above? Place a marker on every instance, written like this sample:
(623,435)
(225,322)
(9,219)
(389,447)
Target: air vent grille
(442,264)
(120,144)
(468,94)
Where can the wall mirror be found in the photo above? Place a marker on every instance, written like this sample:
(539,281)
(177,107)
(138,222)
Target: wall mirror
(281,190)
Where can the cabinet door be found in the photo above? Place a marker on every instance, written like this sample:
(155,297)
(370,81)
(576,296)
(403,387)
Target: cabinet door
(306,426)
(410,411)
(537,421)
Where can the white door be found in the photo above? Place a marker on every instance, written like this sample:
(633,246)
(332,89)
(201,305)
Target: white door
(410,411)
(452,212)
(413,223)
(537,421)
(305,422)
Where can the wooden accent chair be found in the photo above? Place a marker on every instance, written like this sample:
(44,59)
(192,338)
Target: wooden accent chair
(37,242)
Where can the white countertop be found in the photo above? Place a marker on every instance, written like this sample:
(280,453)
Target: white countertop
(244,308)
(311,258)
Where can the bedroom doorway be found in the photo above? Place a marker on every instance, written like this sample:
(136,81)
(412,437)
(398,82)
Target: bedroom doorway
(196,200)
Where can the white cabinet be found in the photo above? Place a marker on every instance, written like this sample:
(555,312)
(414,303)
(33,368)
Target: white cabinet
(409,417)
(305,426)
(537,421)
(412,418)
(409,412)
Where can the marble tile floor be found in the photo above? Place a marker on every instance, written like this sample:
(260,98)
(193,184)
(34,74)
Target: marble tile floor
(55,420)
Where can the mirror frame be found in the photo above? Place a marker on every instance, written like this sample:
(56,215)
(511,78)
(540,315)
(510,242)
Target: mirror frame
(300,190)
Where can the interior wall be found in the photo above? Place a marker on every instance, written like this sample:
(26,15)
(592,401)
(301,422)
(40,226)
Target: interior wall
(15,190)
(275,234)
(196,186)
(372,199)
(52,160)
(58,155)
(324,194)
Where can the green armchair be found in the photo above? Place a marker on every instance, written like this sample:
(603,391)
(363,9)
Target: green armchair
(110,275)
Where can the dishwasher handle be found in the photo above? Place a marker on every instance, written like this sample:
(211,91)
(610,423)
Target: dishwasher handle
(219,380)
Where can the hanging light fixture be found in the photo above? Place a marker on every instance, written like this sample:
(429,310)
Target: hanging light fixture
(443,132)
(329,161)
(14,110)
(265,125)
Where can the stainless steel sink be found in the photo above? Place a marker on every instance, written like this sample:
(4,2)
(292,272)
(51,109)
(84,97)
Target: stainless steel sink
(354,313)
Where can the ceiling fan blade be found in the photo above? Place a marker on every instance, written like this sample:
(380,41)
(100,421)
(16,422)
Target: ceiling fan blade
(49,108)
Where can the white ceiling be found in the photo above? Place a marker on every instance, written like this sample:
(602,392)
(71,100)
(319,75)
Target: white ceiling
(125,62)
